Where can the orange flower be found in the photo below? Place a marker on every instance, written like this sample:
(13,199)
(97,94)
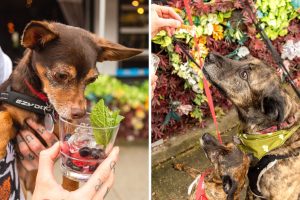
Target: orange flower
(218,32)
(202,39)
(199,51)
(187,27)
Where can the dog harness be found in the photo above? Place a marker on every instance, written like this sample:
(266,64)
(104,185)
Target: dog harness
(255,173)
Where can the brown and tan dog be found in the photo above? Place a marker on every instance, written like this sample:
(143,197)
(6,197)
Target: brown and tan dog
(59,61)
(255,90)
(230,167)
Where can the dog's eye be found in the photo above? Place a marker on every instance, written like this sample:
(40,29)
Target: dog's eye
(61,76)
(91,80)
(244,75)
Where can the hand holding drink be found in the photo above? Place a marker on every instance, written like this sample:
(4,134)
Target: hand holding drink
(86,142)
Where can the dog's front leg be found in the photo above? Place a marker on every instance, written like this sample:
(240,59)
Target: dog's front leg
(69,184)
(7,131)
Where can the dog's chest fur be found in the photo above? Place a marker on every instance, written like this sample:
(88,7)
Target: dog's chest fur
(282,181)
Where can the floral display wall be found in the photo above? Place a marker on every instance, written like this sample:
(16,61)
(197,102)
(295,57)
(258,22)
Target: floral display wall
(219,26)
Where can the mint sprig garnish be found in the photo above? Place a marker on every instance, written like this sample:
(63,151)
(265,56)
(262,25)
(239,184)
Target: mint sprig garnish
(102,117)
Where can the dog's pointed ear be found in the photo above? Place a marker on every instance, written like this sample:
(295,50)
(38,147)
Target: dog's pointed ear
(109,51)
(273,105)
(37,34)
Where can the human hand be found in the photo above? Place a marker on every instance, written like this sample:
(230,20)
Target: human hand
(30,146)
(95,188)
(153,84)
(163,17)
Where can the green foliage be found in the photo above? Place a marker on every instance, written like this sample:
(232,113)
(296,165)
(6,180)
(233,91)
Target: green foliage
(235,34)
(200,99)
(197,113)
(275,16)
(132,95)
(102,117)
(162,39)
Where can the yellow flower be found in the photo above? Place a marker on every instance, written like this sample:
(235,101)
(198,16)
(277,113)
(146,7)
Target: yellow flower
(146,105)
(177,10)
(118,93)
(203,50)
(202,39)
(140,113)
(137,123)
(125,108)
(199,52)
(218,32)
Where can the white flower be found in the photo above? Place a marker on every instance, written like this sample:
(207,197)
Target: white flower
(272,23)
(208,30)
(243,51)
(193,32)
(281,136)
(184,109)
(212,18)
(183,67)
(191,81)
(290,50)
(182,30)
(297,48)
(265,148)
(196,88)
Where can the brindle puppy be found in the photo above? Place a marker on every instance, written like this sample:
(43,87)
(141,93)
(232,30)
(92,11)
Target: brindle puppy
(227,180)
(59,61)
(261,102)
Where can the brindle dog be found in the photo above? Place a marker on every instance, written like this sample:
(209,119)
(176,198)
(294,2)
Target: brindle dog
(230,167)
(261,102)
(59,61)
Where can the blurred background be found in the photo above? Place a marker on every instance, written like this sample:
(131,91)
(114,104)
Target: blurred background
(123,85)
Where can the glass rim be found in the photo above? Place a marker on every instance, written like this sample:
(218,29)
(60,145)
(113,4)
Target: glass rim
(87,127)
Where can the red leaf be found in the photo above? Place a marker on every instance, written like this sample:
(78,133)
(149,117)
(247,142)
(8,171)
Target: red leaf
(237,4)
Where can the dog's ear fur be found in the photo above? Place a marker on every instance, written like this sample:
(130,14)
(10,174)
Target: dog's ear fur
(273,105)
(109,51)
(37,34)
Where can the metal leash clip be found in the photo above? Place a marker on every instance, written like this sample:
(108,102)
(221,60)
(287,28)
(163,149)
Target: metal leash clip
(49,119)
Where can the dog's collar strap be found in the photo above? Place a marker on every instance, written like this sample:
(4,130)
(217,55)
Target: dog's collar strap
(261,144)
(38,94)
(26,102)
(255,173)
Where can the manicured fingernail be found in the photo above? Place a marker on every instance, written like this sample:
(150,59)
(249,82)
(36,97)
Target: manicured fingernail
(112,165)
(106,192)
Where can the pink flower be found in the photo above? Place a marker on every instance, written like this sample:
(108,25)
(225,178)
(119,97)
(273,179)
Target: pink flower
(184,109)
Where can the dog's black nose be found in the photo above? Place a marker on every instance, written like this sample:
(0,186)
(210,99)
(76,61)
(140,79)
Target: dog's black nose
(77,113)
(209,139)
(206,137)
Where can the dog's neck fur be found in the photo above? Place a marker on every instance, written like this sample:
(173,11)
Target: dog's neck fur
(253,119)
(23,71)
